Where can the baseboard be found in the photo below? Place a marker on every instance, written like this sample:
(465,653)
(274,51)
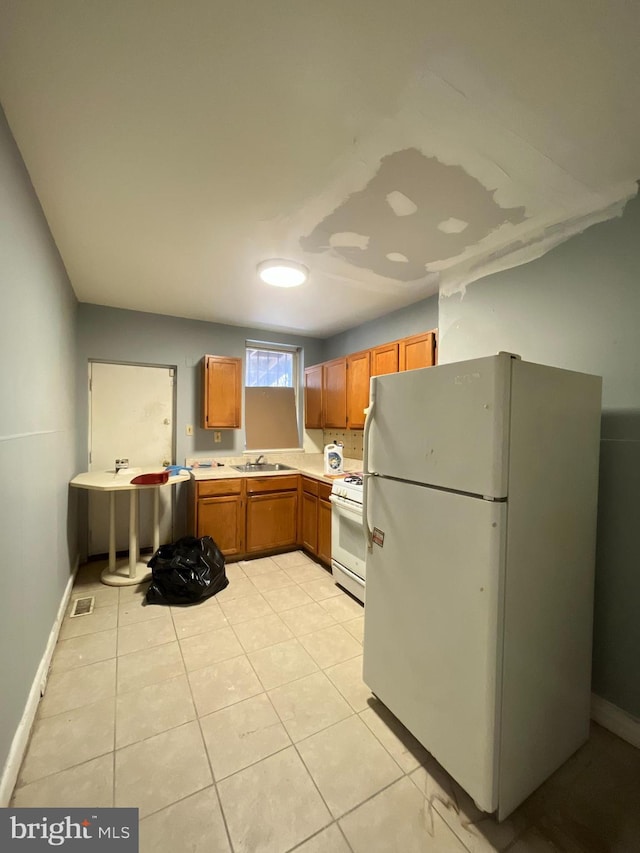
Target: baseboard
(615,720)
(21,737)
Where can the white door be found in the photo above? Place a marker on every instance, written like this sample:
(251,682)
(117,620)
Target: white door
(445,426)
(432,629)
(130,416)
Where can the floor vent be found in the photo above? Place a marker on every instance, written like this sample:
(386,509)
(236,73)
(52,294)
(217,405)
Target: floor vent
(82,606)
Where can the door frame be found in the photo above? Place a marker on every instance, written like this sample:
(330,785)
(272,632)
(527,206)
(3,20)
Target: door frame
(174,433)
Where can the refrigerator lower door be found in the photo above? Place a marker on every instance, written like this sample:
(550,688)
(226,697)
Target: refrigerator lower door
(433,623)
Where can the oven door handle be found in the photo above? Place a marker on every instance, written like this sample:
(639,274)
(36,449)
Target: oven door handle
(341,506)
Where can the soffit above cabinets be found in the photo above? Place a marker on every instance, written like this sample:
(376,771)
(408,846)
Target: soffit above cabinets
(396,149)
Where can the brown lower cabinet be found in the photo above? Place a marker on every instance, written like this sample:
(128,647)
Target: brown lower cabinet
(272,513)
(316,519)
(253,515)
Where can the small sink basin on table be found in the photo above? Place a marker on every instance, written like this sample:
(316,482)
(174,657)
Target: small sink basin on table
(257,468)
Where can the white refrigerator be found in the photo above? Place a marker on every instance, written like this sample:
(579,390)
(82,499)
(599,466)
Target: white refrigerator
(480,511)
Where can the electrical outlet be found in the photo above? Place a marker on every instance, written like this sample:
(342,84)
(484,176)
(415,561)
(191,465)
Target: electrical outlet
(217,437)
(189,429)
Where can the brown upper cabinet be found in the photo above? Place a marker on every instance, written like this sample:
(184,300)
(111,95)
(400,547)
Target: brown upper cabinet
(313,397)
(337,392)
(358,375)
(417,351)
(222,392)
(384,359)
(334,393)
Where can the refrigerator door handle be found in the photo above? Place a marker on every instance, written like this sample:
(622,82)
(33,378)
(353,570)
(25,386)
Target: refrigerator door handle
(365,462)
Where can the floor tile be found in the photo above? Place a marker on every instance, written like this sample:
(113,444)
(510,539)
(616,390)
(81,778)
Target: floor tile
(234,572)
(399,819)
(308,572)
(149,666)
(70,738)
(287,598)
(331,645)
(90,573)
(348,764)
(308,618)
(133,610)
(282,663)
(236,589)
(104,596)
(477,830)
(194,824)
(356,628)
(330,840)
(223,684)
(262,632)
(85,785)
(308,705)
(81,651)
(161,770)
(243,609)
(272,580)
(210,647)
(347,677)
(74,688)
(136,591)
(292,811)
(242,734)
(198,618)
(259,566)
(291,558)
(396,739)
(145,635)
(343,608)
(321,589)
(153,709)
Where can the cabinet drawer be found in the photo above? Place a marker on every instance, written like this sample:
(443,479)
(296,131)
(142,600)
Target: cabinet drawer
(310,486)
(324,490)
(272,484)
(207,488)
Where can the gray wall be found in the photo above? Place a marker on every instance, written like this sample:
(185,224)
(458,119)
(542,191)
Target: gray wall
(421,317)
(578,307)
(112,334)
(37,435)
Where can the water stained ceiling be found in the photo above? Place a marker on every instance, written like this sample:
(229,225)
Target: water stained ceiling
(396,149)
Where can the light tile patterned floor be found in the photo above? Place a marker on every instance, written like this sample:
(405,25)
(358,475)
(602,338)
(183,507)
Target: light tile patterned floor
(242,724)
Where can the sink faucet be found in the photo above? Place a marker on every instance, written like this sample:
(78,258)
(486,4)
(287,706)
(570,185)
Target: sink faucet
(259,459)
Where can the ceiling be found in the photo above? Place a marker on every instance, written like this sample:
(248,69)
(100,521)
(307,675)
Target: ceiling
(395,148)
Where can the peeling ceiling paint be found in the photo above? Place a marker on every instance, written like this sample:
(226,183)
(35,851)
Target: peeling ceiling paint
(403,150)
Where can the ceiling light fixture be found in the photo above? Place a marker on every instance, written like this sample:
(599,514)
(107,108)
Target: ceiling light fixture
(282,273)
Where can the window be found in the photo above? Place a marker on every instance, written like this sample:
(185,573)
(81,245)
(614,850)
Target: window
(271,395)
(270,368)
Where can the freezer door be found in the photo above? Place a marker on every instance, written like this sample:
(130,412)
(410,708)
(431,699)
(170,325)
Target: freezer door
(432,637)
(445,426)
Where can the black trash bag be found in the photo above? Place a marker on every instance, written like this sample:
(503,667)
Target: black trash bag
(186,571)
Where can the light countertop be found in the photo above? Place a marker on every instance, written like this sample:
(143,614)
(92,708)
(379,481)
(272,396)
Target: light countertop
(310,464)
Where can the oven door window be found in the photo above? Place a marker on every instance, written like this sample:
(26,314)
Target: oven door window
(347,539)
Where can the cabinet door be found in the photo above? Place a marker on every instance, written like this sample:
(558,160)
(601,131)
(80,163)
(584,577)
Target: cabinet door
(324,531)
(271,521)
(309,536)
(357,388)
(222,392)
(313,397)
(334,392)
(222,518)
(417,351)
(384,359)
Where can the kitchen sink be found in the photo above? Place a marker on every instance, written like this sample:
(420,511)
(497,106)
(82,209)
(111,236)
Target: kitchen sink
(257,467)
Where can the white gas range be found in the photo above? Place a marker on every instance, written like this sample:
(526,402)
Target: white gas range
(347,534)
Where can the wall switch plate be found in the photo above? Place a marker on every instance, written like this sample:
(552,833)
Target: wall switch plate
(217,437)
(189,429)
